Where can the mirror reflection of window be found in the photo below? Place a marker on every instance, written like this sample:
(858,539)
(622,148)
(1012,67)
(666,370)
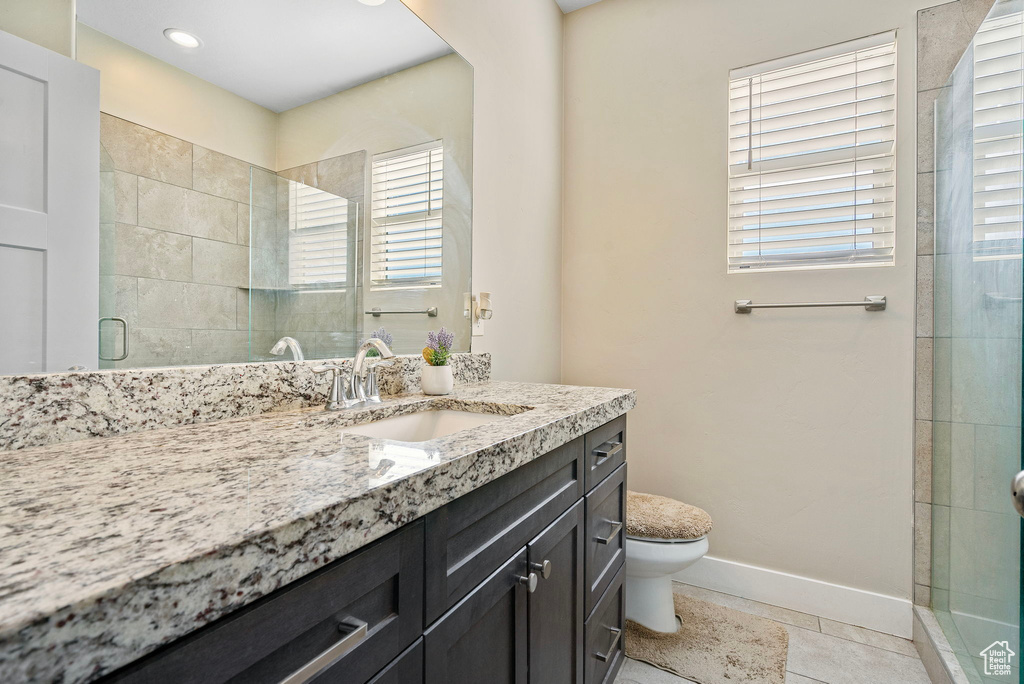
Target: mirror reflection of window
(318,236)
(408,193)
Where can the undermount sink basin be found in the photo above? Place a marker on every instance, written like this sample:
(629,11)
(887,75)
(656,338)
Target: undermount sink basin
(424,425)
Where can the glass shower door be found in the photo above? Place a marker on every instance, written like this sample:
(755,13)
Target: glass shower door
(976,532)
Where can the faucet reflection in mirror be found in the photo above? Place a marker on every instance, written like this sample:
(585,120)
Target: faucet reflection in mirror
(288,343)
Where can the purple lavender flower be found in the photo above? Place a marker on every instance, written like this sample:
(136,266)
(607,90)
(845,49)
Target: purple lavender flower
(441,344)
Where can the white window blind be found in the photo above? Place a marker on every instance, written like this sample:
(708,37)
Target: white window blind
(812,158)
(406,216)
(998,118)
(318,234)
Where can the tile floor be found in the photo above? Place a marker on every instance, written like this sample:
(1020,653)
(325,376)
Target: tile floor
(821,651)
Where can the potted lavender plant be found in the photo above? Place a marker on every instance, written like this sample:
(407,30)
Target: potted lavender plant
(436,377)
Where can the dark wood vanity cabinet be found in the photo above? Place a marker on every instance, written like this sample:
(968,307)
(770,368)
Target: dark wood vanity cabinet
(518,581)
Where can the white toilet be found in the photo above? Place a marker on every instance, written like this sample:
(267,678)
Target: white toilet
(663,536)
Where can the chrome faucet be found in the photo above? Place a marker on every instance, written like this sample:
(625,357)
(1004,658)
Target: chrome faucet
(366,388)
(288,343)
(348,391)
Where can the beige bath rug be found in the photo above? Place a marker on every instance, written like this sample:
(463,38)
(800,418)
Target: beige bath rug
(715,645)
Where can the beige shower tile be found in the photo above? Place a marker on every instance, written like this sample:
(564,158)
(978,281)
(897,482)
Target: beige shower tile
(925,213)
(923,386)
(148,253)
(126,197)
(925,297)
(145,152)
(220,346)
(926,130)
(242,224)
(943,33)
(178,210)
(171,304)
(159,347)
(922,543)
(344,176)
(264,192)
(302,174)
(922,595)
(219,263)
(218,174)
(108,200)
(923,461)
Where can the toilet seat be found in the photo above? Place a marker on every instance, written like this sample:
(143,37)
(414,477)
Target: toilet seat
(665,541)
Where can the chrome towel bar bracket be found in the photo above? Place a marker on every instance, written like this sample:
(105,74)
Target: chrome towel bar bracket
(870,303)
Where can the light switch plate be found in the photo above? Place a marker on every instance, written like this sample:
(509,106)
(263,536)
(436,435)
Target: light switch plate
(478,328)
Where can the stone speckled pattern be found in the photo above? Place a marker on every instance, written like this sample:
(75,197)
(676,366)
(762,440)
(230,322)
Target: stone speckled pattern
(114,546)
(36,410)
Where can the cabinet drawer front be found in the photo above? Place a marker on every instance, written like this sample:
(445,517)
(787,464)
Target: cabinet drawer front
(605,633)
(556,607)
(606,534)
(482,640)
(380,585)
(604,451)
(472,535)
(405,669)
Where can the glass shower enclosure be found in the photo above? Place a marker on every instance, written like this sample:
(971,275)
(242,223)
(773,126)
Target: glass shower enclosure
(976,532)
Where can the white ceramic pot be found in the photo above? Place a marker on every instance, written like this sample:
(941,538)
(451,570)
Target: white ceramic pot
(437,380)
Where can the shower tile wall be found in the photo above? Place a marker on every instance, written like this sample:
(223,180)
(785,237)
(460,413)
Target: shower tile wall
(175,263)
(943,33)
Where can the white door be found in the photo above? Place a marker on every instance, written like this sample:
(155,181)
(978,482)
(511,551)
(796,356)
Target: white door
(49,209)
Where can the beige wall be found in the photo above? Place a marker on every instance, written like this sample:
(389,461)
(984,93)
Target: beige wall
(50,23)
(138,87)
(516,52)
(793,428)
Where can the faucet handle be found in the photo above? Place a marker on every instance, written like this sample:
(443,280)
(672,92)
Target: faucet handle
(342,393)
(370,387)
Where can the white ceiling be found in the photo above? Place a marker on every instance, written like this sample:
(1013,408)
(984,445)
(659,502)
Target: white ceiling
(570,5)
(277,53)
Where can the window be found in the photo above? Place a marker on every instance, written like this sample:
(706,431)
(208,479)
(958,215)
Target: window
(998,119)
(318,235)
(812,159)
(406,216)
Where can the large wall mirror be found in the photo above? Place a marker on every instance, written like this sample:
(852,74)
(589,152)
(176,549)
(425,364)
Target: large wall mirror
(274,169)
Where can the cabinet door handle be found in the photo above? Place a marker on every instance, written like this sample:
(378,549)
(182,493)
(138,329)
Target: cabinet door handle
(528,581)
(607,450)
(355,631)
(544,568)
(616,528)
(616,634)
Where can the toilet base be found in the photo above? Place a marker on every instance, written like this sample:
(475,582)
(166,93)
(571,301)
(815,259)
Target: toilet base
(649,602)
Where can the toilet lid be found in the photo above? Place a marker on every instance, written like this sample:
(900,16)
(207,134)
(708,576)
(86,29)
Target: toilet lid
(659,518)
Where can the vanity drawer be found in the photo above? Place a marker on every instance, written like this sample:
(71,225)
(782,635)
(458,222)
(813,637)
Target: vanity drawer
(405,669)
(605,449)
(605,634)
(380,585)
(469,537)
(606,534)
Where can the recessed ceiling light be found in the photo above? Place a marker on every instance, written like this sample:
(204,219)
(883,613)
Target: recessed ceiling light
(183,38)
(372,3)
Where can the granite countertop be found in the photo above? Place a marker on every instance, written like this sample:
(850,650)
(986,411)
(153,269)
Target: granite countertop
(113,546)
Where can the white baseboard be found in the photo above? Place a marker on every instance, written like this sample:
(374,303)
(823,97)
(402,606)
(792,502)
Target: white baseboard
(889,614)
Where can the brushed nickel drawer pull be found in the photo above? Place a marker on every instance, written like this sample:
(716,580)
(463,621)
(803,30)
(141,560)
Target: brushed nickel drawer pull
(617,633)
(616,528)
(607,450)
(355,631)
